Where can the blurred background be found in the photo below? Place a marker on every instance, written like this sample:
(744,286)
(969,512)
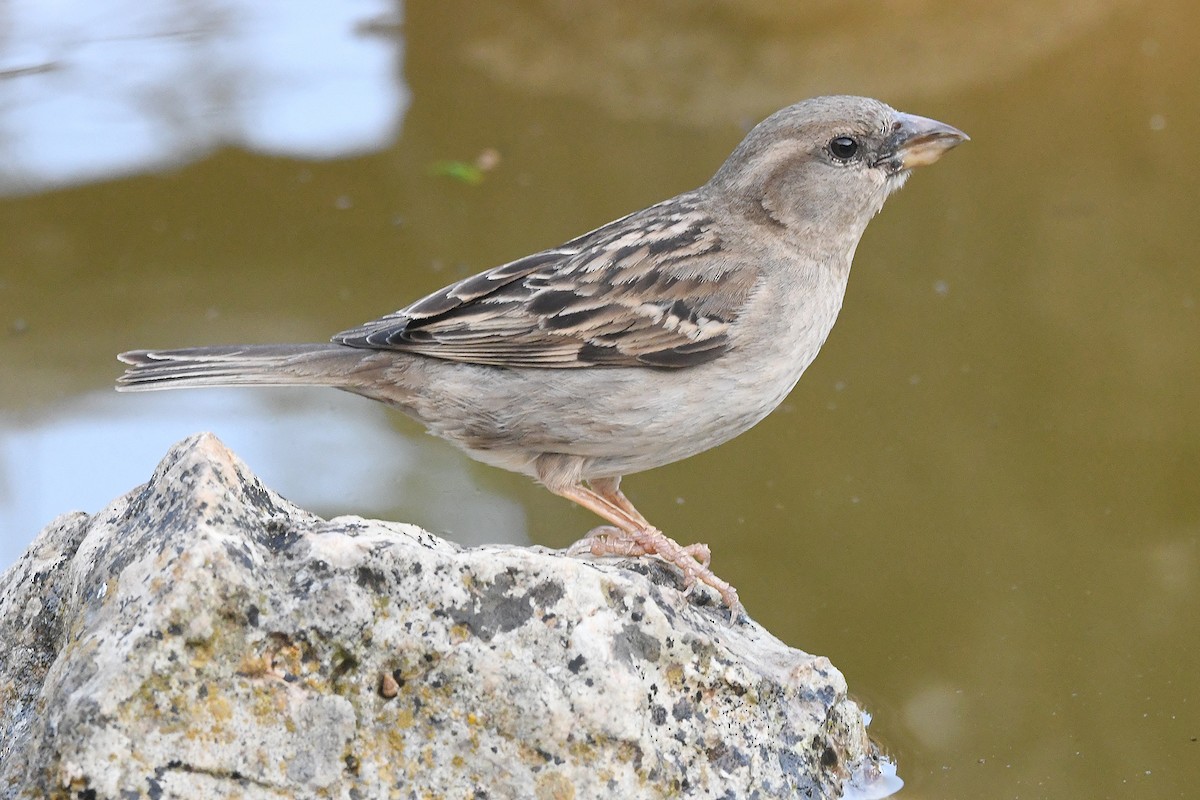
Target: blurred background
(982,500)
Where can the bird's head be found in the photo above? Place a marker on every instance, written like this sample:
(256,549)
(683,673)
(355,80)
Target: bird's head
(823,167)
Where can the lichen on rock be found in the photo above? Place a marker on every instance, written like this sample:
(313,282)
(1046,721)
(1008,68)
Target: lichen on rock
(201,637)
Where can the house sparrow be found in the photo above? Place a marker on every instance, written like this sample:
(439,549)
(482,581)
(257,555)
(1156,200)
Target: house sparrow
(643,342)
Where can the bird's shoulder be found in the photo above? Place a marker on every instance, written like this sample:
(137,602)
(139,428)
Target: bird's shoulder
(657,288)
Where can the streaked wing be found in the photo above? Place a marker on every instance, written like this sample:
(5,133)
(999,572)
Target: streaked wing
(650,289)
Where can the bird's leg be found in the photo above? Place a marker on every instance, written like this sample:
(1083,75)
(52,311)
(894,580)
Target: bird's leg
(634,536)
(610,490)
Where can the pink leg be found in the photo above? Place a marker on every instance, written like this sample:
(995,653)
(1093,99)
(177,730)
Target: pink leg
(633,535)
(610,490)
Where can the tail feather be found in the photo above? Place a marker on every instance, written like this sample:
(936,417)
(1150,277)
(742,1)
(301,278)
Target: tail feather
(245,365)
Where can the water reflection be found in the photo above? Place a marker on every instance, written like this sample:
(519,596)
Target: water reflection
(327,453)
(742,57)
(981,501)
(92,90)
(885,784)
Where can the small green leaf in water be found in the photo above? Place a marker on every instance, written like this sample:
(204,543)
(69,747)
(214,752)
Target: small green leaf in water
(460,171)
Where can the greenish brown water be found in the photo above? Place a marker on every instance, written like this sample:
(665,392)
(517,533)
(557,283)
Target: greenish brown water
(982,500)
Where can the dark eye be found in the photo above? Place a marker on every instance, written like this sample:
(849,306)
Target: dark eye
(843,148)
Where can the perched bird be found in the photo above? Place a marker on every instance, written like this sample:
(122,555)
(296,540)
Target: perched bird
(643,342)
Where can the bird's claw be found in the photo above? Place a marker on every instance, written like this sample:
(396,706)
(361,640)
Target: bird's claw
(692,560)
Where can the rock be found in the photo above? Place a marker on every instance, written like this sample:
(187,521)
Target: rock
(203,638)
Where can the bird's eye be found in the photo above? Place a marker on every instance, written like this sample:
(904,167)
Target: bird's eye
(843,148)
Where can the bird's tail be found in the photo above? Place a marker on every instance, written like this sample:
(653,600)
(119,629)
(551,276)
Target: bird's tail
(241,365)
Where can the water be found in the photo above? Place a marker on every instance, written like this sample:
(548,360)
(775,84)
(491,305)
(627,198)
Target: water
(981,502)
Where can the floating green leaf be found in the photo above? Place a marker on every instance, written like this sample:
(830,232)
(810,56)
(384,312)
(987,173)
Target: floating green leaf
(460,171)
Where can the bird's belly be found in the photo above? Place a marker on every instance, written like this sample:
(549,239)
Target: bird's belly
(705,411)
(632,420)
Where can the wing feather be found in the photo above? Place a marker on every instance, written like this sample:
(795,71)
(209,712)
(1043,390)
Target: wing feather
(650,289)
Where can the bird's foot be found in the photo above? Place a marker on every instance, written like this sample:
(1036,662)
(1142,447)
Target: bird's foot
(609,540)
(692,560)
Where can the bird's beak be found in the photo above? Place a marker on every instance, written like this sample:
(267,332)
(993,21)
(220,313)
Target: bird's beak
(917,141)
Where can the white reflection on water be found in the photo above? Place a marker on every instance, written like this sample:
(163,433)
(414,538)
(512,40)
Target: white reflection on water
(91,89)
(326,452)
(876,786)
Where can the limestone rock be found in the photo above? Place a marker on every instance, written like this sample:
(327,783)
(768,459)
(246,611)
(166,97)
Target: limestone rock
(203,638)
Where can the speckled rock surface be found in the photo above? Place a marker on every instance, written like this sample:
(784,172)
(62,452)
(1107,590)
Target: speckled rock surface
(203,638)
